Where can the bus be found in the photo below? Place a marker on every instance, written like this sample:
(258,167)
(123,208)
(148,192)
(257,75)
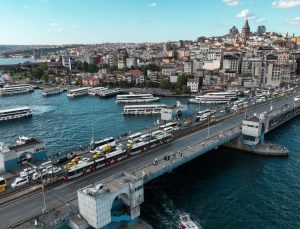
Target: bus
(107,141)
(3,184)
(170,124)
(134,137)
(203,115)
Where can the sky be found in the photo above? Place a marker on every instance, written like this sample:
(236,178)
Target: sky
(99,21)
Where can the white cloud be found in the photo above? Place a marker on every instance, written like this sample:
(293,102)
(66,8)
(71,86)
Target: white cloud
(245,14)
(153,4)
(260,19)
(232,2)
(284,4)
(293,21)
(55,27)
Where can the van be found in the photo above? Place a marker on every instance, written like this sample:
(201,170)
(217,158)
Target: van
(145,137)
(45,164)
(168,129)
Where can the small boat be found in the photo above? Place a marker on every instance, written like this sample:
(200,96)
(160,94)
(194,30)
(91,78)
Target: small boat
(186,222)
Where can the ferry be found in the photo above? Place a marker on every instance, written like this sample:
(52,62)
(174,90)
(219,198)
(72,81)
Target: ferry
(15,113)
(214,98)
(96,90)
(16,89)
(109,92)
(143,109)
(136,98)
(52,91)
(186,222)
(78,92)
(297,98)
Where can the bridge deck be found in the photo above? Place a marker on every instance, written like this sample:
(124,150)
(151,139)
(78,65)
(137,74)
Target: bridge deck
(172,160)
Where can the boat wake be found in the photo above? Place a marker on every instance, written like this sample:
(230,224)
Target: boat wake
(37,110)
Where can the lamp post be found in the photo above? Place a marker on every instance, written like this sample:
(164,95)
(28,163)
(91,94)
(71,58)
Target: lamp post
(208,126)
(43,188)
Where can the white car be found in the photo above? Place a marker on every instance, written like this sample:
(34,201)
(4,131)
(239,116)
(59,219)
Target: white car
(19,181)
(37,175)
(47,169)
(54,170)
(26,172)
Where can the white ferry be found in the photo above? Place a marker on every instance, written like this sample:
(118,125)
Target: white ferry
(186,222)
(136,98)
(297,98)
(78,92)
(52,91)
(96,90)
(109,92)
(143,109)
(215,97)
(15,113)
(16,89)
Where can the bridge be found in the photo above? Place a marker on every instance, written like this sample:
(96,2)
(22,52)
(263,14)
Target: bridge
(147,166)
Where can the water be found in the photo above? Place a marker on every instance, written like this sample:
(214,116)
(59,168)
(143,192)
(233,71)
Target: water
(65,124)
(221,189)
(17,60)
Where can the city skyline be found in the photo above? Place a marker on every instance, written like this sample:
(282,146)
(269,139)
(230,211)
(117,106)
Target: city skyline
(99,21)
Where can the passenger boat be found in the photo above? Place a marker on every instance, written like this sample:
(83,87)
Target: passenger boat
(78,92)
(214,98)
(96,90)
(297,98)
(136,98)
(186,222)
(52,91)
(143,109)
(109,92)
(15,113)
(16,89)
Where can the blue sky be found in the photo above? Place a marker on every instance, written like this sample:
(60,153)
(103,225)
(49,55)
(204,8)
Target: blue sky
(97,21)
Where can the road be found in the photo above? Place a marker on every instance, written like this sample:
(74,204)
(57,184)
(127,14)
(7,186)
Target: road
(13,212)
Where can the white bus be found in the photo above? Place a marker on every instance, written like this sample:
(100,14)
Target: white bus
(107,141)
(170,124)
(134,137)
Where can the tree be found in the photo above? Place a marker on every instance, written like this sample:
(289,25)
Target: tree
(165,84)
(45,77)
(298,66)
(92,68)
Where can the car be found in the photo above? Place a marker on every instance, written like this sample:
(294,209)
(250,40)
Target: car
(19,181)
(37,175)
(61,160)
(26,172)
(54,170)
(47,169)
(85,159)
(45,164)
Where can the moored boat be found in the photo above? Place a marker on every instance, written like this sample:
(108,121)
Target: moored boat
(136,98)
(143,109)
(16,89)
(15,113)
(52,91)
(214,98)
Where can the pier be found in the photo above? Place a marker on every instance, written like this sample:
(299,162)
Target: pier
(148,166)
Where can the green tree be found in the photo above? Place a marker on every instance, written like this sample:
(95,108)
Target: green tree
(298,65)
(165,84)
(92,68)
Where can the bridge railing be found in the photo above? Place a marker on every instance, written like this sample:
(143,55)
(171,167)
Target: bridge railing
(169,161)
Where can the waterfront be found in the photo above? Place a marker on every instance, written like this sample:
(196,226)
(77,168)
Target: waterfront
(64,124)
(228,189)
(17,60)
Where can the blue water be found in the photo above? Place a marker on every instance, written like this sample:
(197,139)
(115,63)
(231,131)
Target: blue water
(221,189)
(18,60)
(65,124)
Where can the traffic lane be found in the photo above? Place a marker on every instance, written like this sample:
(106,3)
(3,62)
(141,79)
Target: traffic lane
(54,197)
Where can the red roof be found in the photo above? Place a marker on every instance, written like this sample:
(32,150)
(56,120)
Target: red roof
(134,72)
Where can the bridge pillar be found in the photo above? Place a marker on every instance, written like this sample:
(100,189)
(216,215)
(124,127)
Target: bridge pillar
(113,202)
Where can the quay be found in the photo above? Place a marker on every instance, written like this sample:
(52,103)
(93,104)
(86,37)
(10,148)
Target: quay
(139,170)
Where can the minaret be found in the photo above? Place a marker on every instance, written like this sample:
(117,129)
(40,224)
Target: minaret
(245,31)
